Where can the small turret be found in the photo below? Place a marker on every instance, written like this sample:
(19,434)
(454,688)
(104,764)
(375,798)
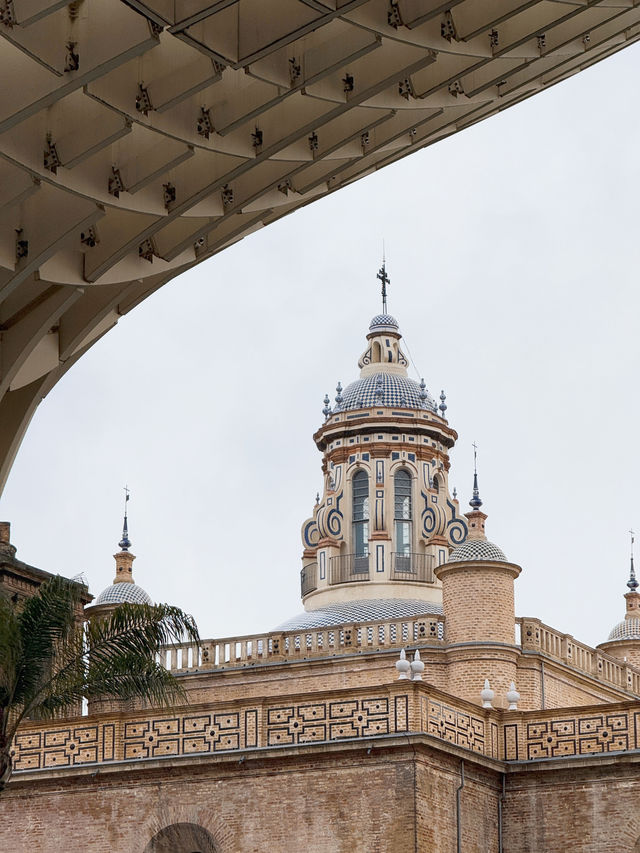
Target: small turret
(478,602)
(624,639)
(123,589)
(124,559)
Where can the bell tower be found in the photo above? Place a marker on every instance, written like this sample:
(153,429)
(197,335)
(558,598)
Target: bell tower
(386,518)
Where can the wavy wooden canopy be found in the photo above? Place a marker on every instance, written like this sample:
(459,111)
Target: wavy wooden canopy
(139,138)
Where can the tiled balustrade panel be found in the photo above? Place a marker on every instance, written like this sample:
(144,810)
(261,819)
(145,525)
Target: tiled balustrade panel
(570,732)
(205,730)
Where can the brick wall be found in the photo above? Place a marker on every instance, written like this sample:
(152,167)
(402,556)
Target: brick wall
(478,602)
(582,809)
(331,802)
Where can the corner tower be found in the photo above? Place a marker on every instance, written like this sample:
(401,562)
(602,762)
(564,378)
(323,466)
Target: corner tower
(386,518)
(624,640)
(478,601)
(123,589)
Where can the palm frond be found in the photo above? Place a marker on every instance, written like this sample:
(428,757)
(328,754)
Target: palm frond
(47,621)
(116,656)
(50,661)
(10,648)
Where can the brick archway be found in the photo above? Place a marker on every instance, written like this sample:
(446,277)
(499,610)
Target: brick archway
(182,838)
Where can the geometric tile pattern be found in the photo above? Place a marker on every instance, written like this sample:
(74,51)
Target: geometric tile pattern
(509,736)
(202,732)
(385,389)
(456,726)
(62,747)
(628,629)
(182,735)
(322,721)
(360,611)
(578,736)
(118,593)
(383,322)
(477,549)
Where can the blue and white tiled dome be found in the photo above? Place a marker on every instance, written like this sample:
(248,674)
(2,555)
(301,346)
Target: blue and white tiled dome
(398,391)
(348,612)
(119,593)
(384,323)
(477,549)
(628,629)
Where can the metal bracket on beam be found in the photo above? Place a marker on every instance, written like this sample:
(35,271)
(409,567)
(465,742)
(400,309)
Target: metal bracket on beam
(7,13)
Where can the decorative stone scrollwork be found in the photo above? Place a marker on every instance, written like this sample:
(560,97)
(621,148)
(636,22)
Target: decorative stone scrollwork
(434,518)
(310,535)
(329,517)
(457,529)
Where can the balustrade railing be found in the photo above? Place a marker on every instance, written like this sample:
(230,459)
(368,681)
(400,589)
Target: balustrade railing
(535,636)
(417,568)
(302,644)
(349,568)
(309,578)
(387,633)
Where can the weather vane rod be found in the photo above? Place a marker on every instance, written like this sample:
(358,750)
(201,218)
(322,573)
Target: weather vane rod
(632,583)
(476,501)
(125,542)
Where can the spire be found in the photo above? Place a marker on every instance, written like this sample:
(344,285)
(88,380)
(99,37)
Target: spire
(476,501)
(124,558)
(632,583)
(382,275)
(124,544)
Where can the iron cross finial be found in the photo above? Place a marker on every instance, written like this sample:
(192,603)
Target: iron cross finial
(384,278)
(125,542)
(632,583)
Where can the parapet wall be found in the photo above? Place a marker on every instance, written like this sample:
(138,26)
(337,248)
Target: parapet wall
(401,707)
(553,669)
(352,769)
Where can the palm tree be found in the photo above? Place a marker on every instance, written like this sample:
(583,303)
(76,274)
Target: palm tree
(50,661)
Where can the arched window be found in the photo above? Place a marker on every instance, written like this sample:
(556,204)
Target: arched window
(182,838)
(360,516)
(402,512)
(435,483)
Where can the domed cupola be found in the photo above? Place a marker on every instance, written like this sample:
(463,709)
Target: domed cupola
(476,546)
(624,638)
(123,589)
(385,519)
(384,324)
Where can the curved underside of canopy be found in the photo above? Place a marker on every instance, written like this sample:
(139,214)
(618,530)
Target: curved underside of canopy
(140,138)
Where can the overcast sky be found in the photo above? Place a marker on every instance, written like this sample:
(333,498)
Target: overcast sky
(513,253)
